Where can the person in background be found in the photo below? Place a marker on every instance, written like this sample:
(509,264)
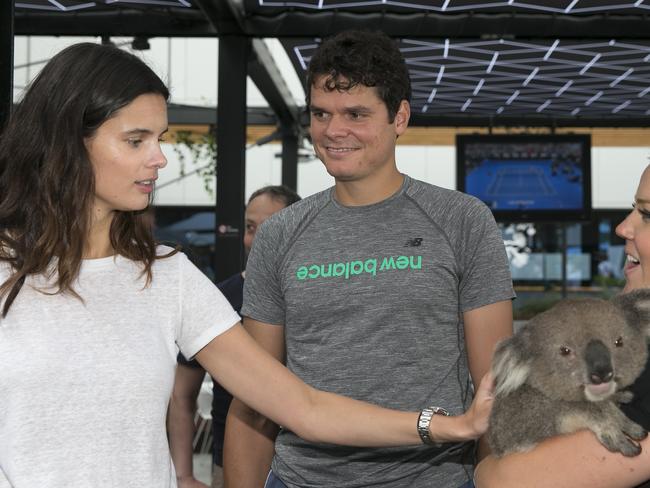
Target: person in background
(382,288)
(189,374)
(579,460)
(93,312)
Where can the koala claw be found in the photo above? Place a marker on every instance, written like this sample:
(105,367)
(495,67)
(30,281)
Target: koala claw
(618,443)
(631,449)
(634,431)
(623,396)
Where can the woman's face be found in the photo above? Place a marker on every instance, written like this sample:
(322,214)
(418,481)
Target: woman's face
(635,229)
(126,156)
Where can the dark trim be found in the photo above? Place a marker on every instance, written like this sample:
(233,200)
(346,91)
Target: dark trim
(294,23)
(6,60)
(231,155)
(419,120)
(226,17)
(151,23)
(290,144)
(189,114)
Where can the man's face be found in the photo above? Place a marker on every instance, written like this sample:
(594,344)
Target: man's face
(351,132)
(258,210)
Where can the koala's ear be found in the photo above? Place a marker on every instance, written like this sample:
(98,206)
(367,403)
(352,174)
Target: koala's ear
(510,366)
(636,308)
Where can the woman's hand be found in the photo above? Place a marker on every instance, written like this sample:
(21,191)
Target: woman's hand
(478,413)
(473,423)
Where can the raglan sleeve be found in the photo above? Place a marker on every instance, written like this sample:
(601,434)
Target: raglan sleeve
(263,296)
(485,272)
(204,311)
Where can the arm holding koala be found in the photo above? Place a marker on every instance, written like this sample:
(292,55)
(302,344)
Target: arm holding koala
(575,460)
(484,328)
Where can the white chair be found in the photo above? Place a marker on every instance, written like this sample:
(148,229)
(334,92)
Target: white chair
(203,418)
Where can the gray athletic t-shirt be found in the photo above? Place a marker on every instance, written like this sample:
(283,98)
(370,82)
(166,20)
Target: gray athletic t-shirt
(372,299)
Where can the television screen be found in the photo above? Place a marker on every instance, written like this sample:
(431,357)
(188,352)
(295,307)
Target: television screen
(527,177)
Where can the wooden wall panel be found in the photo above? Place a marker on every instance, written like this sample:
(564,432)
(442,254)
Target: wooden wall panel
(446,136)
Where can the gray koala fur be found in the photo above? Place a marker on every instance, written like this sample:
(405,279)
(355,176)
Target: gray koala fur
(564,371)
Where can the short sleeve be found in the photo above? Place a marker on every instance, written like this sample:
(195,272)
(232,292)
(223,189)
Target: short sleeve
(194,364)
(204,311)
(485,272)
(263,297)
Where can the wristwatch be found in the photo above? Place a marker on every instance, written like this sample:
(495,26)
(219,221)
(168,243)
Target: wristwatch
(424,420)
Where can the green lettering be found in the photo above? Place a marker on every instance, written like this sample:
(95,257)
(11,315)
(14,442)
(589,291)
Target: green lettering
(314,271)
(387,263)
(419,263)
(328,273)
(356,267)
(301,273)
(339,269)
(370,266)
(402,262)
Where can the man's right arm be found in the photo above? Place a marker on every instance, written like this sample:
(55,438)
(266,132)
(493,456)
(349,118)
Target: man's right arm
(180,422)
(250,437)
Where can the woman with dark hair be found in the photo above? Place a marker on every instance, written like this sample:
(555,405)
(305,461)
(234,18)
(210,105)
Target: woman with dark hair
(47,185)
(93,312)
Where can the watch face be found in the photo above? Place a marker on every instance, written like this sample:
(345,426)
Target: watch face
(440,411)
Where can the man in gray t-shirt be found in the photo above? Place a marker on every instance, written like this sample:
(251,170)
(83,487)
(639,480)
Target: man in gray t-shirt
(382,288)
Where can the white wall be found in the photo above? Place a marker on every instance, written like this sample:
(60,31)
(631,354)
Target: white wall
(263,167)
(187,65)
(433,164)
(615,174)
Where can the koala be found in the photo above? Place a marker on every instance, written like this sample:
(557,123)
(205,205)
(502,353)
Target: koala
(566,370)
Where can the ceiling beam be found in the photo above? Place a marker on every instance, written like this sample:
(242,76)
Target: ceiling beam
(295,23)
(268,79)
(151,23)
(227,18)
(190,114)
(224,15)
(420,120)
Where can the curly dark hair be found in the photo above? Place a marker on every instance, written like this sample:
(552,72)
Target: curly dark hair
(366,58)
(47,182)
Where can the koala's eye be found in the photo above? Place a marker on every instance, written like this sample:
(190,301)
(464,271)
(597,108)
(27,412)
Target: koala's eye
(565,351)
(619,342)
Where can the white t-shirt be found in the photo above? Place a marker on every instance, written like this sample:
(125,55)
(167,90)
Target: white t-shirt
(84,386)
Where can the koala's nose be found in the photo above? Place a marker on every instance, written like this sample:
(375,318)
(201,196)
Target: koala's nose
(599,362)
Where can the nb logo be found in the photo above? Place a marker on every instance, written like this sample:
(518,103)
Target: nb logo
(415,242)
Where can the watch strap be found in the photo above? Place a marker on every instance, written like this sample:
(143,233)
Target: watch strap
(424,421)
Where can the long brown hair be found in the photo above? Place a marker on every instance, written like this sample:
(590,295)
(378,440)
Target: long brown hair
(47,183)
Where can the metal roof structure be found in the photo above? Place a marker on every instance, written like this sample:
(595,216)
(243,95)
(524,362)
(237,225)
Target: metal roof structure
(486,62)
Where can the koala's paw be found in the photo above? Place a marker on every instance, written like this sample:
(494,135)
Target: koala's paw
(617,442)
(623,396)
(634,431)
